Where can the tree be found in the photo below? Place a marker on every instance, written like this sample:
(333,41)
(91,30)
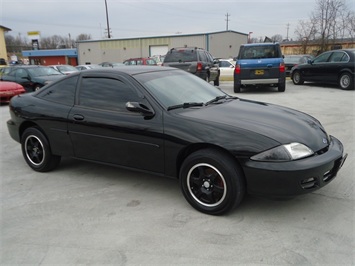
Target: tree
(330,21)
(19,43)
(277,38)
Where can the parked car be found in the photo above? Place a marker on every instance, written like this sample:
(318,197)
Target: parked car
(226,67)
(5,70)
(260,64)
(337,66)
(32,77)
(294,60)
(168,122)
(9,90)
(64,69)
(85,67)
(194,60)
(159,59)
(140,61)
(111,64)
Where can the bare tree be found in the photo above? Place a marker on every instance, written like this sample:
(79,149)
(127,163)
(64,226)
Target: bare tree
(305,33)
(83,37)
(277,38)
(330,21)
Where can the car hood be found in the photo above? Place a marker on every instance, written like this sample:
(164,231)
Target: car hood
(283,125)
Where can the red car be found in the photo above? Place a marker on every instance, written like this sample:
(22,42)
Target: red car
(140,61)
(9,90)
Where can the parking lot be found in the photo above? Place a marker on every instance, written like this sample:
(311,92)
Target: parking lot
(83,213)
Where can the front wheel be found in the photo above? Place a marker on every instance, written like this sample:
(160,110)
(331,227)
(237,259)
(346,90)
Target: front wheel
(346,82)
(37,152)
(212,182)
(216,81)
(297,78)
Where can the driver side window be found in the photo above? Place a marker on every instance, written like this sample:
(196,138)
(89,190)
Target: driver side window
(322,58)
(20,73)
(106,94)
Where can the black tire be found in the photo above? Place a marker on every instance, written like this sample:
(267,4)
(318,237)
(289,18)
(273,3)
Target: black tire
(37,152)
(281,87)
(236,88)
(37,87)
(207,78)
(216,81)
(212,182)
(297,78)
(346,82)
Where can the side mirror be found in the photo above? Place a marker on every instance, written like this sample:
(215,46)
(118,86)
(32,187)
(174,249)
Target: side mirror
(139,108)
(309,61)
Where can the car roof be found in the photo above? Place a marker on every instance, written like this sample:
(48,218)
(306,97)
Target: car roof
(261,44)
(132,70)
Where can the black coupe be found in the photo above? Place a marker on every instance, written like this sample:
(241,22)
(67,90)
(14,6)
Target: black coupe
(168,122)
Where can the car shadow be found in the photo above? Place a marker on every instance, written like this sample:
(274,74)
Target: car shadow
(165,188)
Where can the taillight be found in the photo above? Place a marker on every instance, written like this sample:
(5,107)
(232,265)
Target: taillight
(199,66)
(282,67)
(237,69)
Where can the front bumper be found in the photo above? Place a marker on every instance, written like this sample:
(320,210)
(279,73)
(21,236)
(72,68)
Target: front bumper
(288,179)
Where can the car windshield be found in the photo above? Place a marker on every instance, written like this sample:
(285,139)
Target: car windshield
(185,55)
(43,71)
(176,87)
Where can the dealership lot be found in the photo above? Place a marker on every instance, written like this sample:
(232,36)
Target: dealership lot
(84,213)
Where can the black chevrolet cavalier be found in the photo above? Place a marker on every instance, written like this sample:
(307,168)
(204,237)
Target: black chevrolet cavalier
(168,122)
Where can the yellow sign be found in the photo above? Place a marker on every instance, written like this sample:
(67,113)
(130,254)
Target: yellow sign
(30,33)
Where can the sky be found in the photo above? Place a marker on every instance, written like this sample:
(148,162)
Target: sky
(143,18)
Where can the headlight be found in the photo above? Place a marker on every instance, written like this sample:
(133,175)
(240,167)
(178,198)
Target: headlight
(287,152)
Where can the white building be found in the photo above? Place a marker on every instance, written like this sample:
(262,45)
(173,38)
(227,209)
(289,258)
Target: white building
(223,44)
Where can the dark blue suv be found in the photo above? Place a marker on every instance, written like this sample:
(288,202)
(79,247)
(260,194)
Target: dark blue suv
(260,64)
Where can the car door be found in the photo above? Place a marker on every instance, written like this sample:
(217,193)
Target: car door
(20,76)
(336,62)
(103,130)
(212,66)
(316,70)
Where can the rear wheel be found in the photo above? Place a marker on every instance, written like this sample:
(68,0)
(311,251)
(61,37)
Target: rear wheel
(216,81)
(346,82)
(281,87)
(297,78)
(236,88)
(212,182)
(37,152)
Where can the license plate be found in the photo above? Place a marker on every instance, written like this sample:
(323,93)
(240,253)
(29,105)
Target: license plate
(259,72)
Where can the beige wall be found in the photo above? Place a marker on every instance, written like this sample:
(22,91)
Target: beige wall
(3,53)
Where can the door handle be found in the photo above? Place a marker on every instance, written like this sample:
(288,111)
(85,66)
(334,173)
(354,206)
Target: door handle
(78,117)
(269,65)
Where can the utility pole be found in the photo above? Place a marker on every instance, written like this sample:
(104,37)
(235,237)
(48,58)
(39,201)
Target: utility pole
(108,25)
(288,27)
(227,15)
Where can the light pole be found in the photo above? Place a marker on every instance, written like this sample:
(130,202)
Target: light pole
(108,25)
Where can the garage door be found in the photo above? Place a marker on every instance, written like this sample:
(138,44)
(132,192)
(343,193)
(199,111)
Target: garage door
(158,50)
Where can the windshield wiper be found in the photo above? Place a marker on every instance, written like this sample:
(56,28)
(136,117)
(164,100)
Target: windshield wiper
(184,105)
(218,98)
